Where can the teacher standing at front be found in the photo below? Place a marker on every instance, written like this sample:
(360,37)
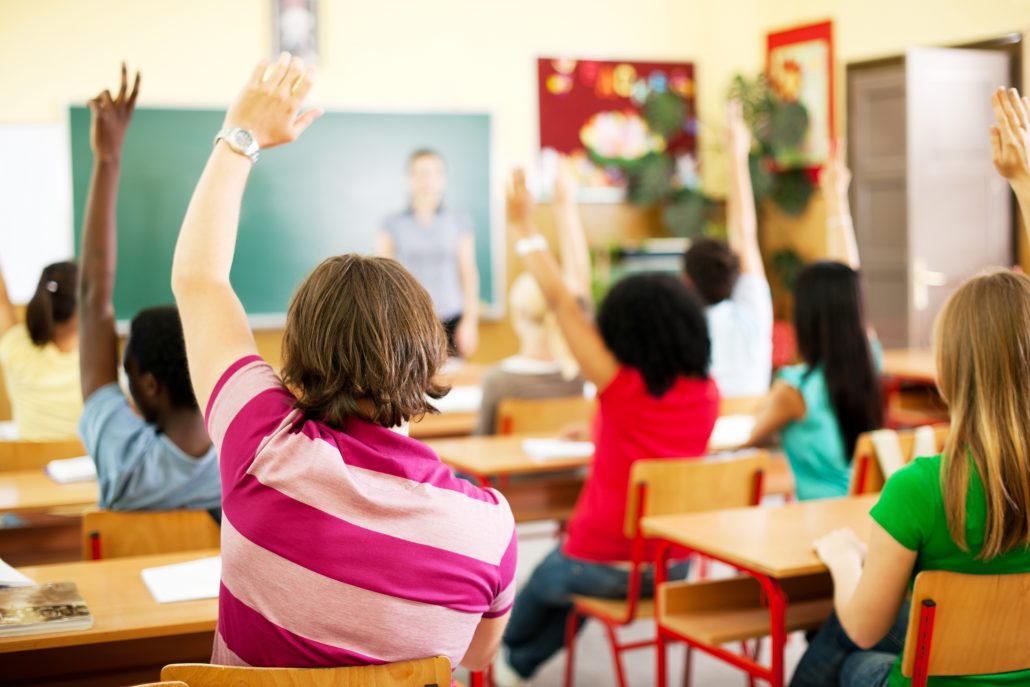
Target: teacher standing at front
(437,245)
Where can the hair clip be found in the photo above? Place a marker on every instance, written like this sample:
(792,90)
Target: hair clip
(51,286)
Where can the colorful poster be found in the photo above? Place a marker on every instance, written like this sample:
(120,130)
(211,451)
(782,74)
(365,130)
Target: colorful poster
(799,63)
(599,105)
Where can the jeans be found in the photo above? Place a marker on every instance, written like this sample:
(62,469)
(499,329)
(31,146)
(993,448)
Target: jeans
(536,630)
(833,659)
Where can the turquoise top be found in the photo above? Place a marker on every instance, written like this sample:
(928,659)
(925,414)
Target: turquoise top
(814,444)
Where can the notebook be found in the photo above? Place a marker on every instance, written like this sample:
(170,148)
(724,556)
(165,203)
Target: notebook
(730,432)
(189,581)
(460,399)
(52,607)
(557,449)
(71,470)
(9,577)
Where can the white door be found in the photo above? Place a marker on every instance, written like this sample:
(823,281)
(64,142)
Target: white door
(959,209)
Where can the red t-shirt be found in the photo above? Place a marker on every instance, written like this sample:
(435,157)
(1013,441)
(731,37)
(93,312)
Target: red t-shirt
(631,425)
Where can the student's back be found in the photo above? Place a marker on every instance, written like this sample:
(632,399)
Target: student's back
(40,358)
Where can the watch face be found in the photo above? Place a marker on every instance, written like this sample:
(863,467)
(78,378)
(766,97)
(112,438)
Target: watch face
(242,139)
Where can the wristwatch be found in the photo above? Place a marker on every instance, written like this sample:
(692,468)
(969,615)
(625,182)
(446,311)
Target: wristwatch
(240,140)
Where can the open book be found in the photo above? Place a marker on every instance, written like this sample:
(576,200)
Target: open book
(52,607)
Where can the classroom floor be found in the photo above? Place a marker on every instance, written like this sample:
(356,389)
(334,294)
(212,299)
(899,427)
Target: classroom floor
(594,667)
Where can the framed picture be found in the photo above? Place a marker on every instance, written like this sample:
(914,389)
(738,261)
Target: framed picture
(295,29)
(799,64)
(593,110)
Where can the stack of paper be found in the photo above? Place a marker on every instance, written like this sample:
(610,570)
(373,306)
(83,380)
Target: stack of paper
(51,607)
(71,470)
(187,581)
(557,449)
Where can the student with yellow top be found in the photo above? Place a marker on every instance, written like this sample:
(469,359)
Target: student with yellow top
(966,510)
(40,358)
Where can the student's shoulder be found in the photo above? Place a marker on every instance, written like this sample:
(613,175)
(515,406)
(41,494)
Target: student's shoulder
(919,479)
(15,339)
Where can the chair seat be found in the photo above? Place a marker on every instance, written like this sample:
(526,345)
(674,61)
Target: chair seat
(721,626)
(614,610)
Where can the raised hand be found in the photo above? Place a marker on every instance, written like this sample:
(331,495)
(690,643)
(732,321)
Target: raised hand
(565,184)
(111,118)
(835,177)
(269,105)
(1010,137)
(738,136)
(520,206)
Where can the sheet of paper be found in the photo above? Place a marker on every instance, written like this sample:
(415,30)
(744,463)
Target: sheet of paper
(9,577)
(460,399)
(187,581)
(70,470)
(557,449)
(731,431)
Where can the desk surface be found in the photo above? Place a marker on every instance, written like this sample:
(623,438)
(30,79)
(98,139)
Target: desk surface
(494,456)
(775,541)
(32,491)
(121,605)
(914,364)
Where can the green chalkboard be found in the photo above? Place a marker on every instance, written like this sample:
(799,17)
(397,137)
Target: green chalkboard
(325,194)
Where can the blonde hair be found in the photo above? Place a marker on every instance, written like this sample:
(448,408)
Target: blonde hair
(983,371)
(527,300)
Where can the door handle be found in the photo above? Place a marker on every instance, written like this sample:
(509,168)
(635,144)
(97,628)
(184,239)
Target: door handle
(922,279)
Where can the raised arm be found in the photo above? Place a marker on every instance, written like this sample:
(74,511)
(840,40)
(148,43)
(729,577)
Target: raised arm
(1010,145)
(834,182)
(467,334)
(213,320)
(572,239)
(8,318)
(98,341)
(595,360)
(741,218)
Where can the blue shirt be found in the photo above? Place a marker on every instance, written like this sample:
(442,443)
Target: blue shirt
(138,467)
(814,444)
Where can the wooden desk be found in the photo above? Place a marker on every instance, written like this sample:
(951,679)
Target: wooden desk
(451,424)
(32,491)
(132,636)
(769,544)
(494,460)
(910,365)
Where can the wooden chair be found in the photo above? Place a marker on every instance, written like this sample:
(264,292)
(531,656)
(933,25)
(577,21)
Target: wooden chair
(174,683)
(663,487)
(34,455)
(114,534)
(967,625)
(543,415)
(867,476)
(424,672)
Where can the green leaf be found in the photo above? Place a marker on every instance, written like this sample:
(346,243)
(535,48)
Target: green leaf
(665,113)
(788,125)
(650,179)
(792,190)
(686,214)
(787,265)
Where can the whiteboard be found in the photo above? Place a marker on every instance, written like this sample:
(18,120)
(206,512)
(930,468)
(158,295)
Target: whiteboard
(35,203)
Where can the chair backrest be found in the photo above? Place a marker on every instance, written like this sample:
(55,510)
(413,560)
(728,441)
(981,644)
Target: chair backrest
(34,455)
(419,673)
(544,415)
(970,625)
(691,485)
(867,476)
(122,534)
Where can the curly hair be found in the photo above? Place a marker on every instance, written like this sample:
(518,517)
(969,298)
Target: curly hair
(712,268)
(362,339)
(157,345)
(655,324)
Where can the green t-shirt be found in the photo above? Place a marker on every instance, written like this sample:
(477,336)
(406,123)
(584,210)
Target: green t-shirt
(813,444)
(911,509)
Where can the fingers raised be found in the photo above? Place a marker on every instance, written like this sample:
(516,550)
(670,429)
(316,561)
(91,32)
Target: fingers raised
(306,119)
(135,93)
(124,85)
(294,73)
(278,71)
(1015,107)
(257,77)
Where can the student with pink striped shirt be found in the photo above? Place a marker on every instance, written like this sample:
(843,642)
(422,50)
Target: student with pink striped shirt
(343,542)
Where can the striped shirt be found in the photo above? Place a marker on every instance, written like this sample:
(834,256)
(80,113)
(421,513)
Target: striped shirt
(345,547)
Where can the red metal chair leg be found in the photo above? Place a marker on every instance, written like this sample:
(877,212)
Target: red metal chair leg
(571,626)
(924,640)
(477,679)
(617,649)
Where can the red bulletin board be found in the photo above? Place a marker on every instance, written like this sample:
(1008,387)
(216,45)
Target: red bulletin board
(573,92)
(799,63)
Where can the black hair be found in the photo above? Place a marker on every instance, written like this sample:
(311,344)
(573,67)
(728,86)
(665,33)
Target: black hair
(53,303)
(830,321)
(425,152)
(712,268)
(654,323)
(157,346)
